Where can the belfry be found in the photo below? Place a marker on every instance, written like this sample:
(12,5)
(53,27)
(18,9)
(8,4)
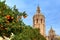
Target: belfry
(39,21)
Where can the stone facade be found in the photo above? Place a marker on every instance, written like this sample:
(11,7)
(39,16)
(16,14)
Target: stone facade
(39,22)
(51,35)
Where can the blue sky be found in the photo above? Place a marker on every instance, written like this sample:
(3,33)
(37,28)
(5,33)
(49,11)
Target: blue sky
(49,8)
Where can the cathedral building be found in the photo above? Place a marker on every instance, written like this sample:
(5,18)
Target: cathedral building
(39,22)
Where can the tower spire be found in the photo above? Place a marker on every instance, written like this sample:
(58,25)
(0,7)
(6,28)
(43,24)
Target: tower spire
(51,29)
(38,8)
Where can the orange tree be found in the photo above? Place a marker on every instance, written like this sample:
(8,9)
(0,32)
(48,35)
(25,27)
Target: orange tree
(28,33)
(10,19)
(11,22)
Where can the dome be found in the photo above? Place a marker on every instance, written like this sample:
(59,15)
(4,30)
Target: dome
(38,13)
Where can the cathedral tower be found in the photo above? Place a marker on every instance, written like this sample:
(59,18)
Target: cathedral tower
(39,21)
(51,34)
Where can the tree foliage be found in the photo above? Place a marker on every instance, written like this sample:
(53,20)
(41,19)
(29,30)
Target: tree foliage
(11,22)
(10,19)
(28,33)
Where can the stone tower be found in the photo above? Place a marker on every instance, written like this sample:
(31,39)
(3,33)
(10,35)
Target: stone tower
(52,34)
(39,21)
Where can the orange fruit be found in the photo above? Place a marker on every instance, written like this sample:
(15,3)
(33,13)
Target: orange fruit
(7,16)
(25,16)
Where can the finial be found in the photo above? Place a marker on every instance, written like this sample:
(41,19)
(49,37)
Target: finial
(38,8)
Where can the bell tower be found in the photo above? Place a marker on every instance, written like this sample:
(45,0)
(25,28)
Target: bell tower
(39,21)
(51,34)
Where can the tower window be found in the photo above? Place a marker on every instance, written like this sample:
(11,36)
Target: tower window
(41,20)
(37,21)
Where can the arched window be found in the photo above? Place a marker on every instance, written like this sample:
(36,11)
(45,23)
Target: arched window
(41,20)
(36,20)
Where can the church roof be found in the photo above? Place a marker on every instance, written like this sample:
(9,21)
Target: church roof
(51,30)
